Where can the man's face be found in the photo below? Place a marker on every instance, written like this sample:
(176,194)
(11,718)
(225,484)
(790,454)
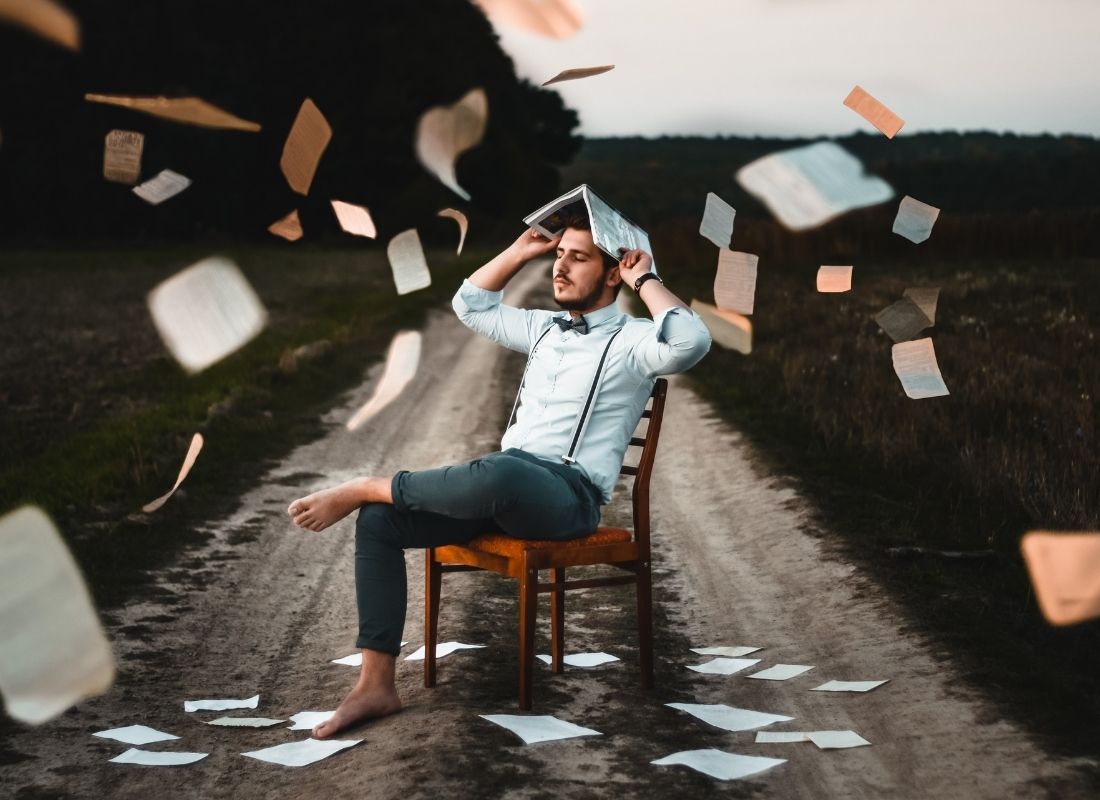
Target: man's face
(580,276)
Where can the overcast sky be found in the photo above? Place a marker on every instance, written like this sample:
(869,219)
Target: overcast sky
(783,67)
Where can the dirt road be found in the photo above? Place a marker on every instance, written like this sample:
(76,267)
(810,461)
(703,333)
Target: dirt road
(264,608)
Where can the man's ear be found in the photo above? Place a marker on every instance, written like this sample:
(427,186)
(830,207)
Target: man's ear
(614,276)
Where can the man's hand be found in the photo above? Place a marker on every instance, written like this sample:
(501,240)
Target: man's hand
(531,244)
(633,265)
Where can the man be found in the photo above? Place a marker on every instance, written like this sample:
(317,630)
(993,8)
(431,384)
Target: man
(587,380)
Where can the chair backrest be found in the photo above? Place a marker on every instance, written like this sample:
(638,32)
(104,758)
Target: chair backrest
(641,473)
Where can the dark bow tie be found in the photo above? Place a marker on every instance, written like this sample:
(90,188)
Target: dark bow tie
(578,324)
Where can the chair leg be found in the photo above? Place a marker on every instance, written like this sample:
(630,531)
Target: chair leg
(557,622)
(433,581)
(645,624)
(528,605)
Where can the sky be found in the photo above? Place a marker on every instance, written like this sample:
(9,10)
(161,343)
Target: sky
(784,67)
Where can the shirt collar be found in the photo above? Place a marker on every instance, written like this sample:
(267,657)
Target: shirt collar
(600,315)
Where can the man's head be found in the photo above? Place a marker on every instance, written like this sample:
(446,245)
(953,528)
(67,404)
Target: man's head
(585,277)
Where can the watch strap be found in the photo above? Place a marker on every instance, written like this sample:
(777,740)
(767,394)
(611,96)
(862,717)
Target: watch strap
(638,283)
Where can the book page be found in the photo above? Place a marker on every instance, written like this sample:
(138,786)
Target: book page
(717,224)
(915,219)
(735,281)
(122,156)
(916,368)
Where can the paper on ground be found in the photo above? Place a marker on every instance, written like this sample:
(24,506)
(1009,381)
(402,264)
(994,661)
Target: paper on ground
(165,185)
(150,758)
(834,279)
(136,734)
(780,672)
(354,219)
(245,722)
(916,368)
(185,470)
(539,729)
(442,649)
(53,652)
(446,132)
(558,19)
(735,282)
(926,298)
(729,718)
(407,261)
(808,186)
(308,720)
(463,225)
(220,705)
(289,227)
(727,328)
(848,686)
(717,224)
(874,112)
(205,312)
(402,360)
(188,110)
(577,73)
(915,219)
(44,18)
(724,666)
(902,320)
(304,146)
(581,659)
(728,652)
(825,740)
(721,765)
(1065,571)
(122,156)
(300,754)
(355,659)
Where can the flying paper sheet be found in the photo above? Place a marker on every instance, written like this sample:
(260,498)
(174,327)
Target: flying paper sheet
(723,666)
(410,267)
(916,368)
(446,132)
(122,156)
(717,224)
(847,686)
(825,740)
(401,363)
(245,722)
(205,312)
(442,649)
(44,18)
(915,219)
(721,765)
(463,225)
(308,720)
(558,19)
(289,227)
(735,282)
(926,299)
(834,279)
(220,705)
(902,320)
(53,652)
(780,672)
(539,729)
(727,328)
(728,652)
(300,754)
(162,186)
(581,659)
(149,758)
(579,72)
(188,110)
(136,734)
(728,718)
(185,470)
(874,112)
(304,146)
(354,219)
(1065,571)
(808,186)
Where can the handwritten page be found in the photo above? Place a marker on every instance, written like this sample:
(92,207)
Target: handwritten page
(122,156)
(717,224)
(735,282)
(1065,572)
(305,144)
(916,368)
(446,132)
(186,110)
(915,219)
(834,279)
(408,263)
(188,461)
(874,112)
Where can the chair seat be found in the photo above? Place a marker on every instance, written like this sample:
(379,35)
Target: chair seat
(509,547)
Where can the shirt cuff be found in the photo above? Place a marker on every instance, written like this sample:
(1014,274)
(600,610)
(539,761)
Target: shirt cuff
(659,320)
(474,298)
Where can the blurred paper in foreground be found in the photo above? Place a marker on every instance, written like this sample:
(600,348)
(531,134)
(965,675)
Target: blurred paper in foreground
(579,72)
(185,470)
(874,112)
(122,156)
(463,225)
(717,222)
(206,312)
(304,146)
(53,652)
(162,186)
(808,186)
(44,18)
(903,320)
(915,219)
(410,267)
(735,281)
(188,110)
(354,219)
(834,279)
(289,227)
(558,19)
(401,363)
(727,328)
(1065,571)
(916,367)
(446,132)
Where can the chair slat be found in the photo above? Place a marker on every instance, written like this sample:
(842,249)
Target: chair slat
(628,471)
(647,414)
(637,441)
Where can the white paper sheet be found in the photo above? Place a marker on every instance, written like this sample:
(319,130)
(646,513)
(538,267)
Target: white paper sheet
(834,279)
(729,718)
(915,219)
(300,754)
(220,705)
(162,186)
(185,469)
(354,219)
(402,360)
(872,110)
(727,328)
(825,740)
(150,758)
(355,659)
(540,728)
(136,734)
(581,659)
(446,132)
(306,142)
(408,263)
(1065,571)
(577,73)
(848,686)
(916,368)
(245,722)
(728,652)
(442,649)
(780,672)
(721,765)
(53,652)
(308,720)
(122,156)
(463,225)
(717,224)
(723,666)
(808,186)
(735,281)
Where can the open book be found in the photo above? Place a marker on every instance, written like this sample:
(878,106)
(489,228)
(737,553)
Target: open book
(611,231)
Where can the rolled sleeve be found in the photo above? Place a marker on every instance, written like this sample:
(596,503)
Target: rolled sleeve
(482,311)
(675,341)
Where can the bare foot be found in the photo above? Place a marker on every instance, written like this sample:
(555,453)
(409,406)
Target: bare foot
(317,511)
(361,704)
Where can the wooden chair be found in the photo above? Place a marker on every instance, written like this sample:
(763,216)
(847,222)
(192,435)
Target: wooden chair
(523,559)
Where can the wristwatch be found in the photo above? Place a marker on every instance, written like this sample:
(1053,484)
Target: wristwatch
(638,283)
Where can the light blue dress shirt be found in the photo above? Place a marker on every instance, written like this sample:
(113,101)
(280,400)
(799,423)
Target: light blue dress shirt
(559,375)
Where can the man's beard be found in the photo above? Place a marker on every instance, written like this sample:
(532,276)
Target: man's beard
(581,303)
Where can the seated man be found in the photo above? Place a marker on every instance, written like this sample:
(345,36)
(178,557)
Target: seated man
(587,380)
